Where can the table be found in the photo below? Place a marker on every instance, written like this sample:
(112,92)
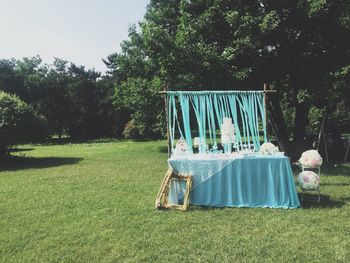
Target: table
(242,181)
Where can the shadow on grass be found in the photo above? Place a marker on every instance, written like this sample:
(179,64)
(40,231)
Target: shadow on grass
(63,141)
(328,169)
(14,150)
(308,203)
(345,199)
(336,170)
(325,202)
(14,163)
(163,149)
(335,184)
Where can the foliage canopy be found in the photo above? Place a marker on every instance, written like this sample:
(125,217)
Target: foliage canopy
(299,47)
(19,122)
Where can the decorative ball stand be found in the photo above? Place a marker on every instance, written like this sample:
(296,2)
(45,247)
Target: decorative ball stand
(316,189)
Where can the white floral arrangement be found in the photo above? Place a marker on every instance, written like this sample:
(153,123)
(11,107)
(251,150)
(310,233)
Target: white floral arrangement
(308,180)
(181,147)
(196,142)
(227,131)
(310,159)
(268,148)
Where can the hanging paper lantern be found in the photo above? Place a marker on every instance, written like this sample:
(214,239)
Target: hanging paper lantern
(268,148)
(308,180)
(311,159)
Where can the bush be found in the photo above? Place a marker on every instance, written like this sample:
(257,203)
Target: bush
(19,123)
(315,118)
(140,97)
(130,130)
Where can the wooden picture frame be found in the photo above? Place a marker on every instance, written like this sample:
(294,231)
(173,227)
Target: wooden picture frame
(162,200)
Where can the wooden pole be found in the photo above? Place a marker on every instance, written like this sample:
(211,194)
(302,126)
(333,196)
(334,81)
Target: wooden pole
(321,132)
(347,151)
(223,91)
(167,120)
(266,88)
(271,125)
(325,146)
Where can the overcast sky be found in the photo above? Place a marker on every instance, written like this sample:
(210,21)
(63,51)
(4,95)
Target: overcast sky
(81,31)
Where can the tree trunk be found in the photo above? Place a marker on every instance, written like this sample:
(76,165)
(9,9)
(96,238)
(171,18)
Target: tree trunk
(276,117)
(301,120)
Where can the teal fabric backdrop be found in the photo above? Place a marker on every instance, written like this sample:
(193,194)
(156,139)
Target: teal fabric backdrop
(246,108)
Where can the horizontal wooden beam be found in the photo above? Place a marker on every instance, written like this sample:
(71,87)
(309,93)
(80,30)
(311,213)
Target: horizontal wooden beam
(221,91)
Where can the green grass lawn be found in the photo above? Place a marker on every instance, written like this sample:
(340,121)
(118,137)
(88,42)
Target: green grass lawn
(95,203)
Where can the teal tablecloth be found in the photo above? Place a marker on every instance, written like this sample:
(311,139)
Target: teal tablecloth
(251,181)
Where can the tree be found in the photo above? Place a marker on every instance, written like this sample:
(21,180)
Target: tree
(9,80)
(84,102)
(233,44)
(139,71)
(51,97)
(74,100)
(19,123)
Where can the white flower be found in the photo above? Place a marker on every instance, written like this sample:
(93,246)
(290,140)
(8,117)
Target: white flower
(181,147)
(196,141)
(308,180)
(268,148)
(310,158)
